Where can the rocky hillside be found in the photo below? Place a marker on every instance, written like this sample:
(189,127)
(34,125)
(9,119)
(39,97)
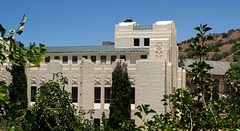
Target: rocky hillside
(222,48)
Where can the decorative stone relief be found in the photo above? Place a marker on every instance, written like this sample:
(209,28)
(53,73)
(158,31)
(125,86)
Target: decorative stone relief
(74,80)
(132,80)
(107,80)
(97,80)
(4,79)
(159,50)
(33,80)
(43,79)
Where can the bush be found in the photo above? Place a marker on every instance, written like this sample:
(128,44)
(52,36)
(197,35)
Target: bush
(213,48)
(190,54)
(224,35)
(232,41)
(216,57)
(219,44)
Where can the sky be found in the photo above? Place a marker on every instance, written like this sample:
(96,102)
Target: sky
(89,22)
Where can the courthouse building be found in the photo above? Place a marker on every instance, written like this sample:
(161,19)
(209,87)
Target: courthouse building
(150,52)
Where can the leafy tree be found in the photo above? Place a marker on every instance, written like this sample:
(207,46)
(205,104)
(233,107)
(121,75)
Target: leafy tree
(18,87)
(53,108)
(14,54)
(120,96)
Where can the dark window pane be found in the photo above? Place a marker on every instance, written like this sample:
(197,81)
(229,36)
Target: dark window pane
(123,57)
(74,94)
(132,95)
(47,59)
(56,57)
(146,41)
(143,56)
(84,57)
(103,59)
(65,58)
(97,95)
(113,58)
(74,58)
(93,59)
(136,41)
(107,94)
(33,93)
(97,121)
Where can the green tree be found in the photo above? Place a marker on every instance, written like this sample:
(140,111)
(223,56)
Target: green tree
(15,55)
(120,96)
(53,109)
(18,87)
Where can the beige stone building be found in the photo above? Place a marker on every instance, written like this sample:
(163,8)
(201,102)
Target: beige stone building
(150,51)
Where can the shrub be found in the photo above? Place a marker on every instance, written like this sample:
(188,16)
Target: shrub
(216,57)
(224,35)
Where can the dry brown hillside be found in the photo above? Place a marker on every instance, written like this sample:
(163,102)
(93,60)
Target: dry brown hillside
(222,48)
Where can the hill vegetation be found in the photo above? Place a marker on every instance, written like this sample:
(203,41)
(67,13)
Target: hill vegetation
(222,48)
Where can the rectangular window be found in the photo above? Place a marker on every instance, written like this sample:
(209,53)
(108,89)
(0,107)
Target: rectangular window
(47,59)
(136,41)
(103,59)
(107,94)
(146,41)
(113,58)
(97,95)
(56,57)
(132,95)
(123,57)
(84,57)
(33,93)
(143,56)
(74,59)
(93,59)
(97,121)
(75,94)
(65,58)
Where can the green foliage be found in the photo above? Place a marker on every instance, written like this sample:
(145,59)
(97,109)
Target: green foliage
(216,57)
(224,35)
(18,88)
(53,108)
(191,54)
(16,55)
(120,96)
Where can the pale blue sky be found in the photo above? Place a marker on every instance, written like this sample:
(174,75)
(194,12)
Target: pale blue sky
(89,22)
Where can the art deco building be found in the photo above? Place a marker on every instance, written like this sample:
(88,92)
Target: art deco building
(150,52)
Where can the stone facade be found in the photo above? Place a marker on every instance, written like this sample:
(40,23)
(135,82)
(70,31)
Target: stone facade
(150,51)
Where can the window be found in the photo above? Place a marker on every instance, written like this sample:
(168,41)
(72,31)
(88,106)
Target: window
(103,59)
(97,95)
(47,59)
(84,57)
(93,59)
(146,41)
(143,56)
(107,94)
(75,94)
(123,57)
(113,58)
(33,93)
(74,59)
(56,58)
(97,121)
(136,41)
(65,58)
(132,95)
